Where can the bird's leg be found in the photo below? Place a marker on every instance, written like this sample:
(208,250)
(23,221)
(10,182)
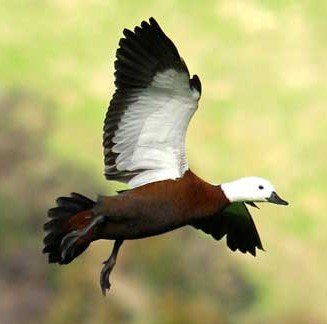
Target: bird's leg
(108,266)
(68,243)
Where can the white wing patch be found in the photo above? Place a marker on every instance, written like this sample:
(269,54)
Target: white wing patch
(148,115)
(151,133)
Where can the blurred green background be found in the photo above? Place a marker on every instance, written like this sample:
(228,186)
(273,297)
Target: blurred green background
(263,112)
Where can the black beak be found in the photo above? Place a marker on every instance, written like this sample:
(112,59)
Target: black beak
(275,199)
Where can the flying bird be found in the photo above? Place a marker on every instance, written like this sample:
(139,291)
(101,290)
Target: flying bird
(144,147)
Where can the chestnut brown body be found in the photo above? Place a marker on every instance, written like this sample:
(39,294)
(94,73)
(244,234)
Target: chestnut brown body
(158,207)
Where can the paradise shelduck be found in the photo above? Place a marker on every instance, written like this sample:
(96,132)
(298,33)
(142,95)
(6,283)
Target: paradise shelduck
(144,146)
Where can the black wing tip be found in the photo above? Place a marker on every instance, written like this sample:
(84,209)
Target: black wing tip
(150,20)
(153,21)
(195,83)
(244,245)
(127,32)
(145,24)
(253,250)
(142,53)
(261,248)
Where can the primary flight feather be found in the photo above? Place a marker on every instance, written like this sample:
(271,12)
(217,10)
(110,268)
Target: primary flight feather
(148,116)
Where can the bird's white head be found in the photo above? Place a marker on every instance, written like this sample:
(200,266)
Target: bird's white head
(251,189)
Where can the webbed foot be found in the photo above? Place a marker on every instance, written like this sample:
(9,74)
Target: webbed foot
(70,243)
(108,266)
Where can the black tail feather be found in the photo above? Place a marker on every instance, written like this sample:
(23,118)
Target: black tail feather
(57,227)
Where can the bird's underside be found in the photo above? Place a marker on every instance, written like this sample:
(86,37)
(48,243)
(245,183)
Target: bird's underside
(145,211)
(144,146)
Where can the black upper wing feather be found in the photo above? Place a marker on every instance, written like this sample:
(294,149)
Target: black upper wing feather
(239,228)
(160,34)
(141,54)
(132,46)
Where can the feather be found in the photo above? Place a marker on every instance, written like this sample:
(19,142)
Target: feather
(148,116)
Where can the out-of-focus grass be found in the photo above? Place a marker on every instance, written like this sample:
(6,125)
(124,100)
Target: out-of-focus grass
(263,112)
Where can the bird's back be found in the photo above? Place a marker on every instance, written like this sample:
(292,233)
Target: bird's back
(161,206)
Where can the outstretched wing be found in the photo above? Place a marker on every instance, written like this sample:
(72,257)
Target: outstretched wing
(236,222)
(146,123)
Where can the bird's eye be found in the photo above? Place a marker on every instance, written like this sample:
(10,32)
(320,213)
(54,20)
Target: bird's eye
(260,187)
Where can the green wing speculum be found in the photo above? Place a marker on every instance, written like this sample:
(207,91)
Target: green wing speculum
(236,222)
